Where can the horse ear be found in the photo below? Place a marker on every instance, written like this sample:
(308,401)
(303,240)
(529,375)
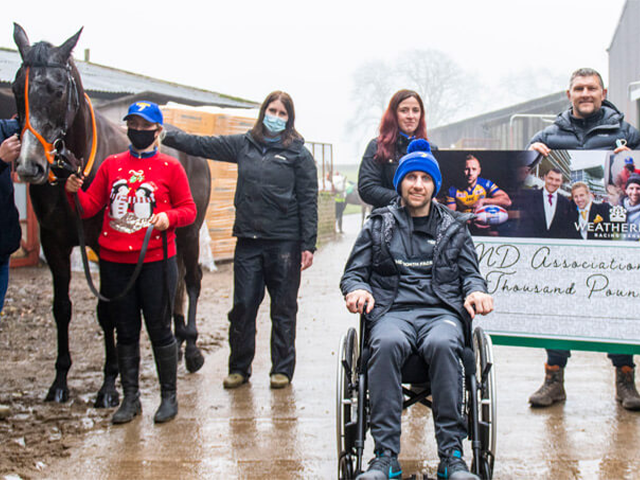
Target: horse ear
(21,39)
(64,50)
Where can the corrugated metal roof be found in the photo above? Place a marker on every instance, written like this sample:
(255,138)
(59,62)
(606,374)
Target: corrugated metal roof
(98,78)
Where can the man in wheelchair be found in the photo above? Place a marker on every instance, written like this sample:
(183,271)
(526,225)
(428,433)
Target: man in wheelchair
(413,273)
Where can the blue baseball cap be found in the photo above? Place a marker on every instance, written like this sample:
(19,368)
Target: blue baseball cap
(418,159)
(628,161)
(147,110)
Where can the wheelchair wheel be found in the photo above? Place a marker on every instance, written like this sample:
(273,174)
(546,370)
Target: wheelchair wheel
(486,392)
(346,404)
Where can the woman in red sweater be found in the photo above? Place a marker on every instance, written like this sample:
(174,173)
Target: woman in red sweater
(140,187)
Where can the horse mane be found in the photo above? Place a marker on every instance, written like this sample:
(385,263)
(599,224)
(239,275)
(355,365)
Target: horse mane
(39,53)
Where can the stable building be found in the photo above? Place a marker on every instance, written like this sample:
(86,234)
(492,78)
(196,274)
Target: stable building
(624,63)
(509,128)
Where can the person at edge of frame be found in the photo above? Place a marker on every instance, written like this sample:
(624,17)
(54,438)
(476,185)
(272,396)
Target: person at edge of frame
(413,272)
(140,187)
(276,225)
(10,232)
(631,203)
(590,123)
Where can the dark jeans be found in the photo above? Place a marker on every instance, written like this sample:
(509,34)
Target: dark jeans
(276,265)
(146,296)
(4,279)
(560,357)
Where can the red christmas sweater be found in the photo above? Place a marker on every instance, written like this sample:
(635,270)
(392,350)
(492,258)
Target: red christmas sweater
(133,189)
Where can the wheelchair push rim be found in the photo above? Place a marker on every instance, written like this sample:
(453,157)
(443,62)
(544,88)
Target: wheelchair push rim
(346,402)
(486,399)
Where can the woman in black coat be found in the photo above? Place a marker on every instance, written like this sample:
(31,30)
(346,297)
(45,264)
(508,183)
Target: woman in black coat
(276,225)
(403,121)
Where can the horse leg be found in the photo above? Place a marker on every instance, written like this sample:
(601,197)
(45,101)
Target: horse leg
(178,306)
(58,258)
(193,278)
(108,394)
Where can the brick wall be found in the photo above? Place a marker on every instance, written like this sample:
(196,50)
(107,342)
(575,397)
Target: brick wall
(326,218)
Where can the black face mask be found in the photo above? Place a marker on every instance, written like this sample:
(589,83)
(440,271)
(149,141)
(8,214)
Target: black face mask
(141,139)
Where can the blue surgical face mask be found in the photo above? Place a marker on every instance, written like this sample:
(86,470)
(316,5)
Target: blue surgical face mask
(275,125)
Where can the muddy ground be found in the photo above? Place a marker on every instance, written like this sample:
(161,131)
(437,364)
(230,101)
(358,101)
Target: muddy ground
(36,433)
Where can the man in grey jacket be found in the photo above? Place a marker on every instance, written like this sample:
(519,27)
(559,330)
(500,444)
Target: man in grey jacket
(591,123)
(414,273)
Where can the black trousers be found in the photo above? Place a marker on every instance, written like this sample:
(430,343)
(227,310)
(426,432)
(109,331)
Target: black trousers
(146,296)
(276,265)
(340,207)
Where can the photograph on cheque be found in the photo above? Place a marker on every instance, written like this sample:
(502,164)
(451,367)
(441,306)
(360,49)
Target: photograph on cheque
(570,194)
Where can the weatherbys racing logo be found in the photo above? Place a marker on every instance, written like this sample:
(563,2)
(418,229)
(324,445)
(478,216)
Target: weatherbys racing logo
(616,228)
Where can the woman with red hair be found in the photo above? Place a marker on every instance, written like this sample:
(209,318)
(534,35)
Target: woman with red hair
(403,121)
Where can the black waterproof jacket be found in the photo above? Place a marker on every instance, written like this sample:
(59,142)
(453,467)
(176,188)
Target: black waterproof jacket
(277,191)
(372,267)
(597,132)
(10,232)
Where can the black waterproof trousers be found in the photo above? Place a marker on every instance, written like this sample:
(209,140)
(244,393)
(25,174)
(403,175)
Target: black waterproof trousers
(276,265)
(438,337)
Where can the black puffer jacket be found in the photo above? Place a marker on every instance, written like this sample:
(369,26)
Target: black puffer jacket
(371,265)
(10,232)
(277,191)
(597,132)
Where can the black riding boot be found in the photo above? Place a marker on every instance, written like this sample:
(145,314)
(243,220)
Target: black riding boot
(129,364)
(167,365)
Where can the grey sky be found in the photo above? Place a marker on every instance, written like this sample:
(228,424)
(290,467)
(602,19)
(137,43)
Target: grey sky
(310,49)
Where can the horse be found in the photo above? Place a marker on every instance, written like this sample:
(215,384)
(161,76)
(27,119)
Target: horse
(52,104)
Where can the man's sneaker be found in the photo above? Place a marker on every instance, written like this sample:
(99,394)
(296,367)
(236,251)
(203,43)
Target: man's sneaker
(453,467)
(626,392)
(234,380)
(552,390)
(383,466)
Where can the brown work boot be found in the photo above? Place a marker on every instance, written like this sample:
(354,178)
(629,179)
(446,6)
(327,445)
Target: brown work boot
(552,390)
(626,392)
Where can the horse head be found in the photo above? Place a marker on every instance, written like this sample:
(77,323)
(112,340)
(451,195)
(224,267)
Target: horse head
(49,95)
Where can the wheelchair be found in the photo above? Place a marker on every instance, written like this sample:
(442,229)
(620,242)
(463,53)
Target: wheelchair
(352,402)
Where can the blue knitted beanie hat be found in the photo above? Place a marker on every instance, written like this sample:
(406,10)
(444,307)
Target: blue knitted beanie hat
(420,159)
